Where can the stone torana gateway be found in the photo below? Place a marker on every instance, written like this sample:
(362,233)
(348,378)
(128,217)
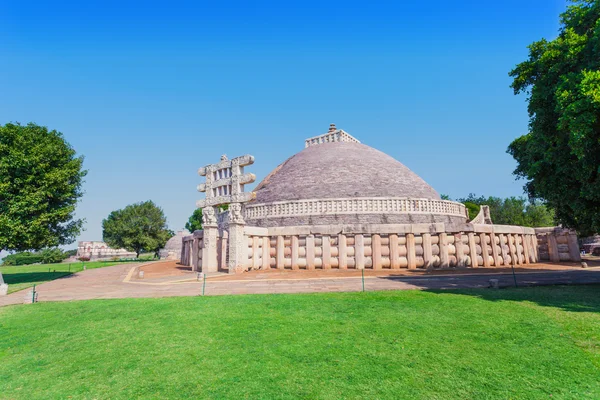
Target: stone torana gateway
(339,204)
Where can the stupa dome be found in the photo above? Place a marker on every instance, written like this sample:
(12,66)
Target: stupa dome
(338,180)
(172,249)
(341,170)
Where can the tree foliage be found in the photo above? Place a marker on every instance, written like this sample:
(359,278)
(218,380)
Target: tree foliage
(511,211)
(560,155)
(40,183)
(195,221)
(46,256)
(138,227)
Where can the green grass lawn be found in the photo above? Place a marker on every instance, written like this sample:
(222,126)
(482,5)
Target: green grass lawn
(526,343)
(24,276)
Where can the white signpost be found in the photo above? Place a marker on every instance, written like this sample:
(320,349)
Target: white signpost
(3,286)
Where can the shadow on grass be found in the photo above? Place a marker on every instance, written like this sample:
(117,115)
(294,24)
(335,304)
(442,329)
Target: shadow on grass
(574,298)
(577,291)
(30,277)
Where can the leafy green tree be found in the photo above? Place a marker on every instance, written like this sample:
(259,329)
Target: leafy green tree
(560,155)
(511,211)
(138,227)
(472,209)
(40,183)
(195,221)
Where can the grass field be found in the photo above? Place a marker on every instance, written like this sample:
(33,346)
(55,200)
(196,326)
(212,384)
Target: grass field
(24,276)
(526,343)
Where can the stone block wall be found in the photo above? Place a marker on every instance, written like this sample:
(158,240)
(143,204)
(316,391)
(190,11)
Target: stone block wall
(192,254)
(386,247)
(557,244)
(401,248)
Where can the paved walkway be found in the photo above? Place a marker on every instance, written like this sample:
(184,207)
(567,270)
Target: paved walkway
(121,281)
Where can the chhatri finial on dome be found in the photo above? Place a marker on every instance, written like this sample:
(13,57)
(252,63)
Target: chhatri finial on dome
(334,135)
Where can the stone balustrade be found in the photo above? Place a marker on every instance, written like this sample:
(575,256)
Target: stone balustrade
(354,206)
(411,247)
(388,247)
(557,244)
(391,247)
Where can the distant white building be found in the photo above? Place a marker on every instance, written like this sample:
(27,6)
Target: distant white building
(101,251)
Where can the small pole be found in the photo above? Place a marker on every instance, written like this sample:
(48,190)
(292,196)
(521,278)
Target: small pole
(33,295)
(363,279)
(514,276)
(203,283)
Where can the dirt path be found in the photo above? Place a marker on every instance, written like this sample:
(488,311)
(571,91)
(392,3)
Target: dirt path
(121,281)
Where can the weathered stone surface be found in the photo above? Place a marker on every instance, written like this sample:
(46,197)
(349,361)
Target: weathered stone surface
(172,249)
(96,250)
(346,171)
(225,182)
(340,204)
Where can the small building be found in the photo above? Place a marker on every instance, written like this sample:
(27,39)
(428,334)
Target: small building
(101,251)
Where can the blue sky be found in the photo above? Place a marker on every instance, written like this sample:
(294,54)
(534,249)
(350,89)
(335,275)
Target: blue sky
(148,92)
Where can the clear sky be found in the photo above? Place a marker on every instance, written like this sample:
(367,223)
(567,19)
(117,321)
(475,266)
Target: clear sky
(148,92)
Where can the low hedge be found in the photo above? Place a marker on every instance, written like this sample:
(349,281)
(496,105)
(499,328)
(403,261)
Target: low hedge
(22,259)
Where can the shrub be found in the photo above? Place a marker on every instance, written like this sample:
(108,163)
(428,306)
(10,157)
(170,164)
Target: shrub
(24,258)
(51,256)
(84,259)
(70,253)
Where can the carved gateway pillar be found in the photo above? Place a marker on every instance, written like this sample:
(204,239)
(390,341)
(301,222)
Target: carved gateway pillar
(238,247)
(225,185)
(210,261)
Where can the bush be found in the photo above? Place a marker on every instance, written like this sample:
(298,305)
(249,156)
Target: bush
(70,253)
(52,256)
(84,259)
(46,256)
(24,258)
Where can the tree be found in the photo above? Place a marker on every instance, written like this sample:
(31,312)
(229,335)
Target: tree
(560,155)
(138,227)
(195,221)
(40,184)
(511,211)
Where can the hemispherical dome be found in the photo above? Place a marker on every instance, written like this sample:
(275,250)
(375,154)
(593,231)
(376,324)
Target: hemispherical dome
(341,170)
(172,249)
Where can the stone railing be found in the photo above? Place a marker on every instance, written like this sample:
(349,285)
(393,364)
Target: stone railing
(192,247)
(354,206)
(400,246)
(557,244)
(333,136)
(390,246)
(377,247)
